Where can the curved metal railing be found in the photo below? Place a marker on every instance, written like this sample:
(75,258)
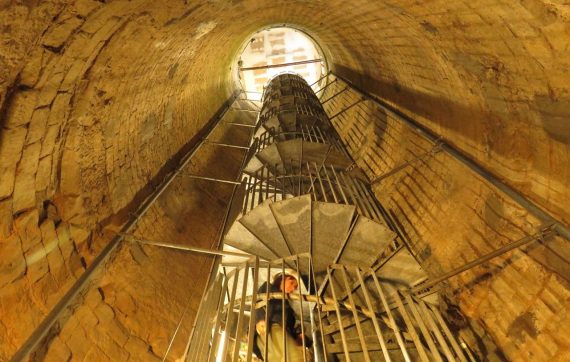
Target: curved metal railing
(366,319)
(323,182)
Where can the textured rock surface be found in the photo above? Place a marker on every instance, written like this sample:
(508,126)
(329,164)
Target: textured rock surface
(96,96)
(452,216)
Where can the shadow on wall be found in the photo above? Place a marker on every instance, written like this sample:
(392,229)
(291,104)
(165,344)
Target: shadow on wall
(169,166)
(422,104)
(553,113)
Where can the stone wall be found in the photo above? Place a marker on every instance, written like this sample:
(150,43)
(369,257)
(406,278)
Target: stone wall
(97,96)
(516,304)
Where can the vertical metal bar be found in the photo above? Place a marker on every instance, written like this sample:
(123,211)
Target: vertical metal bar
(312,188)
(374,202)
(300,170)
(267,326)
(337,310)
(365,199)
(318,307)
(309,132)
(282,186)
(267,178)
(283,310)
(369,200)
(339,185)
(260,183)
(275,186)
(230,311)
(253,186)
(362,197)
(330,184)
(411,328)
(241,313)
(255,197)
(320,182)
(315,134)
(217,324)
(448,333)
(354,198)
(431,323)
(373,316)
(301,303)
(423,328)
(323,138)
(252,331)
(359,200)
(204,332)
(354,313)
(468,352)
(247,185)
(390,316)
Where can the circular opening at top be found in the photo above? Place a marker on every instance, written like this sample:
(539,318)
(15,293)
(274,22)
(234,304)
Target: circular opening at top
(277,50)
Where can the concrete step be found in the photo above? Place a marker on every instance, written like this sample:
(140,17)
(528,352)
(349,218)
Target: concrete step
(253,165)
(367,240)
(271,157)
(293,151)
(272,122)
(330,225)
(261,223)
(401,272)
(241,238)
(294,219)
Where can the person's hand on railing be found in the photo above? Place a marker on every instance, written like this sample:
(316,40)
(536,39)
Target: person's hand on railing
(301,337)
(260,328)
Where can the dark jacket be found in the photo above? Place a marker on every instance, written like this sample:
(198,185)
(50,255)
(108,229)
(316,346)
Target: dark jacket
(274,309)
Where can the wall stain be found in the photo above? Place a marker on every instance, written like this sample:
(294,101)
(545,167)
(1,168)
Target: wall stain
(523,325)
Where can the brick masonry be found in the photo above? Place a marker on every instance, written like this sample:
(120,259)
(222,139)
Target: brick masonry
(96,96)
(452,216)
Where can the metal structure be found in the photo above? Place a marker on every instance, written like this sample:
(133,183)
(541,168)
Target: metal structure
(308,211)
(301,206)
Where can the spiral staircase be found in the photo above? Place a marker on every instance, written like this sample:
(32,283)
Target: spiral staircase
(306,209)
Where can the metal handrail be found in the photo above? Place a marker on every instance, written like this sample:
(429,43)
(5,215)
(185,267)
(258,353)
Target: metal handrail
(423,322)
(321,183)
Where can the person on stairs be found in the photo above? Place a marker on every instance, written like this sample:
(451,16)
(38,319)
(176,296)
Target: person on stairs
(293,339)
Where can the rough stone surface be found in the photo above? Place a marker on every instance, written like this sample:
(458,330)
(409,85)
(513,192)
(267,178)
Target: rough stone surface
(91,111)
(452,216)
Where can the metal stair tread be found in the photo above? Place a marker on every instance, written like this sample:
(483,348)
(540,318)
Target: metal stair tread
(241,238)
(330,225)
(294,219)
(261,223)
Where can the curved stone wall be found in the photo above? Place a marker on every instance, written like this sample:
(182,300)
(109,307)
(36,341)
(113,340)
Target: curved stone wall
(96,97)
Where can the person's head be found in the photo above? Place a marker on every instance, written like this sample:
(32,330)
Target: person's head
(286,283)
